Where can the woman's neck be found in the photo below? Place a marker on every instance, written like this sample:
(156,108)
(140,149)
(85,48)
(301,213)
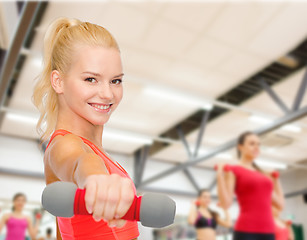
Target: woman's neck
(93,134)
(17,212)
(82,128)
(248,162)
(203,207)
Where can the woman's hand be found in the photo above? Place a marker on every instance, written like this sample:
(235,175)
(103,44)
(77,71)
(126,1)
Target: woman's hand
(193,212)
(220,168)
(196,203)
(108,197)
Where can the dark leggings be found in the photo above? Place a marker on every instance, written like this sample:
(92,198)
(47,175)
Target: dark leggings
(252,236)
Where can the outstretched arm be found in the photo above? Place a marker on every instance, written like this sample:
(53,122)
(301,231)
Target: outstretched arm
(107,196)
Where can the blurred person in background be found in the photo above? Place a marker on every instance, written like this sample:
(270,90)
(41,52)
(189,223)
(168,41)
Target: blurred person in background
(17,223)
(204,219)
(283,229)
(256,191)
(49,234)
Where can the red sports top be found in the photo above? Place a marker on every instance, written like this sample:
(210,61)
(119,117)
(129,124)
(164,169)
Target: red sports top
(254,194)
(84,227)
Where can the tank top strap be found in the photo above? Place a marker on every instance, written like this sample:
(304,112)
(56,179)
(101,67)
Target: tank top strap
(103,156)
(61,132)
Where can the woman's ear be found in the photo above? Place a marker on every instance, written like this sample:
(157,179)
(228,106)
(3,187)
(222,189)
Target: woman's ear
(56,81)
(239,148)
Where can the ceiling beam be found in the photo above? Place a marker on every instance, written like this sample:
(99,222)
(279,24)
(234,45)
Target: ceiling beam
(201,132)
(11,57)
(296,193)
(273,95)
(300,93)
(22,173)
(140,159)
(290,117)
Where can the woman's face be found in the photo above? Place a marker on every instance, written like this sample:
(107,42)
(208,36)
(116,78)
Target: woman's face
(251,147)
(92,88)
(19,203)
(204,199)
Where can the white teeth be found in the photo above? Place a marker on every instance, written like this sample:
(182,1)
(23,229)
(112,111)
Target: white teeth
(103,107)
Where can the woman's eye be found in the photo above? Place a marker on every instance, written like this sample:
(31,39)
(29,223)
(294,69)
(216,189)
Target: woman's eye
(116,81)
(91,80)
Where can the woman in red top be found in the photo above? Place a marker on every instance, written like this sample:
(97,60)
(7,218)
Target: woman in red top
(78,90)
(283,229)
(256,191)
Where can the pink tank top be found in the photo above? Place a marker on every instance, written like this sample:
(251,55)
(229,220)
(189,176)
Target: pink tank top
(16,228)
(84,227)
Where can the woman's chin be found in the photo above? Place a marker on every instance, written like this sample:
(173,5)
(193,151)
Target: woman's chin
(98,122)
(204,205)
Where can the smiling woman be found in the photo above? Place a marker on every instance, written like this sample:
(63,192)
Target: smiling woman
(80,87)
(81,91)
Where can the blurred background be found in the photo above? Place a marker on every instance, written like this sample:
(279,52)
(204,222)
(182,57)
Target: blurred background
(197,74)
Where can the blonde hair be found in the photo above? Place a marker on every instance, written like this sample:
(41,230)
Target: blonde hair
(61,39)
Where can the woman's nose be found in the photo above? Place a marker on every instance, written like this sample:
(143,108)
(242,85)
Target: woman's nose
(105,92)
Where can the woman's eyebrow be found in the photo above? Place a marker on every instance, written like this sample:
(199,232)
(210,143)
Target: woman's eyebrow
(119,75)
(99,75)
(93,73)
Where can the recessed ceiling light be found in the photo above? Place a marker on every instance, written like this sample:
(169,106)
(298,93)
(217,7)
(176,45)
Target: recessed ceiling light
(260,119)
(271,164)
(291,128)
(177,97)
(21,118)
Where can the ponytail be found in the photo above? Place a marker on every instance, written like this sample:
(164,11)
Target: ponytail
(257,167)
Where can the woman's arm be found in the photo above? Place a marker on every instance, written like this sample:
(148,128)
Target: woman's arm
(72,161)
(3,221)
(33,230)
(192,214)
(225,222)
(107,196)
(225,186)
(278,198)
(291,233)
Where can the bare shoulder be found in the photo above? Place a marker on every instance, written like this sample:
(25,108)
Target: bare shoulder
(230,173)
(67,141)
(67,145)
(29,220)
(6,216)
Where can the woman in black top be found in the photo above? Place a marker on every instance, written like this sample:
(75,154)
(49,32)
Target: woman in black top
(204,219)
